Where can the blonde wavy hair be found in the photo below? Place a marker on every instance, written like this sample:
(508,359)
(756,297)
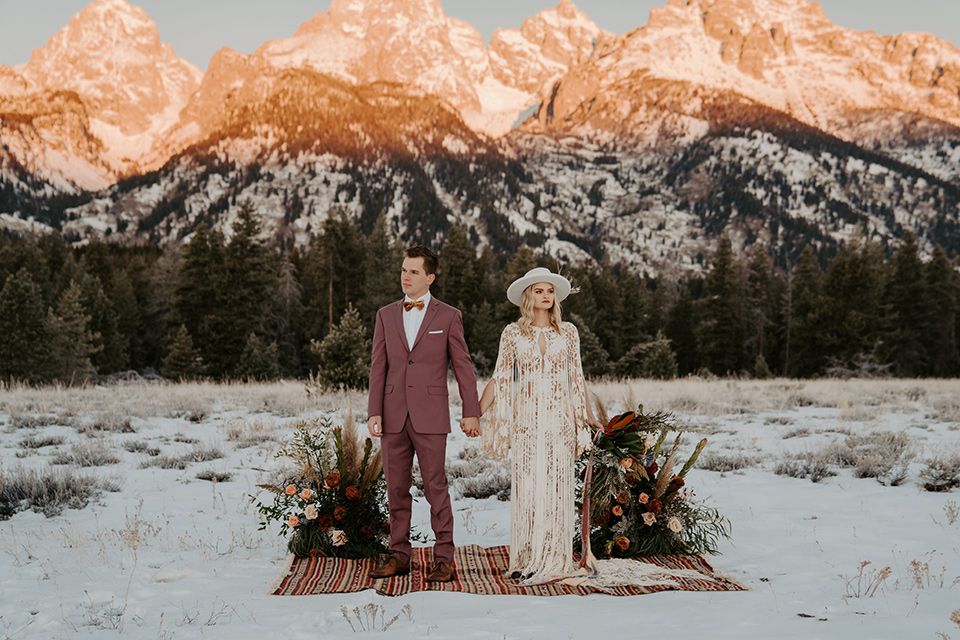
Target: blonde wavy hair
(526,312)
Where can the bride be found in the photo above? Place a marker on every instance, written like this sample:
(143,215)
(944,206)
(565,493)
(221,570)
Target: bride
(540,411)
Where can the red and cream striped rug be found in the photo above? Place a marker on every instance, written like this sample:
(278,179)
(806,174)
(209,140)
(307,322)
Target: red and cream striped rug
(482,570)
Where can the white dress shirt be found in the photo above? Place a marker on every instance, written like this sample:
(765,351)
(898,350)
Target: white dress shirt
(414,318)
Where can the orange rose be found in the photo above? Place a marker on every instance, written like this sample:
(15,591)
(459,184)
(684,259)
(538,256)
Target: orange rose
(339,513)
(293,521)
(627,463)
(617,511)
(306,494)
(290,490)
(644,498)
(623,543)
(352,493)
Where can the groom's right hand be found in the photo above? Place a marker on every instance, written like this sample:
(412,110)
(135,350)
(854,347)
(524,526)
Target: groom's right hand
(375,426)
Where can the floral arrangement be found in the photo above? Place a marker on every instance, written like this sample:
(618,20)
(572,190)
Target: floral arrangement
(637,504)
(335,502)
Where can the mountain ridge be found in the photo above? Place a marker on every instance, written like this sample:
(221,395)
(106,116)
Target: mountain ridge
(631,132)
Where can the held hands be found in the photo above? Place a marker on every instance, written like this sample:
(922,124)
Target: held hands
(470,426)
(375,426)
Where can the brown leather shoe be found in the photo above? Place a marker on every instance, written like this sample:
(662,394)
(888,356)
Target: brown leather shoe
(441,572)
(392,567)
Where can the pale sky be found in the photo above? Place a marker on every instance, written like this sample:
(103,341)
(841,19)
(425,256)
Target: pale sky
(198,28)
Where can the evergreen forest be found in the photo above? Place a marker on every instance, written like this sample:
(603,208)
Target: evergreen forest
(238,306)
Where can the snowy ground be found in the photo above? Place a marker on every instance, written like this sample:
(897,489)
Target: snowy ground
(171,555)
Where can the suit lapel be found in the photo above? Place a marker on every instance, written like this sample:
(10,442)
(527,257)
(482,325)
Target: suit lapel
(398,323)
(428,317)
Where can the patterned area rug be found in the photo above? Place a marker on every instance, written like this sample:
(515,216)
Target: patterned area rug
(481,570)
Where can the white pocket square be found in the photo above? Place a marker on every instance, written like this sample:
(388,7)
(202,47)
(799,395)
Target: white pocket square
(432,333)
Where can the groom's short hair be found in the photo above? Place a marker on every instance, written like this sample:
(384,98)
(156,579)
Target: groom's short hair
(431,261)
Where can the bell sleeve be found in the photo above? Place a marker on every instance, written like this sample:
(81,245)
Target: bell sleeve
(497,422)
(577,389)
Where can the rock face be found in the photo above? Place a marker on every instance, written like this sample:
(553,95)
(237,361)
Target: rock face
(132,86)
(785,54)
(414,42)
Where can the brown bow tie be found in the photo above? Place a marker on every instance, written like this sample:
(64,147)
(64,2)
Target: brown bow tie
(410,305)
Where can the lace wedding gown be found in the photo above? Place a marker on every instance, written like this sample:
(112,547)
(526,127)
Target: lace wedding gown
(540,412)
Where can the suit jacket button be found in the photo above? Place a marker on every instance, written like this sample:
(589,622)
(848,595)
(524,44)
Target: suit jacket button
(411,362)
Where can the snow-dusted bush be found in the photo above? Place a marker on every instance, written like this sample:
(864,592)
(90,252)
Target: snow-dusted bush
(48,491)
(87,454)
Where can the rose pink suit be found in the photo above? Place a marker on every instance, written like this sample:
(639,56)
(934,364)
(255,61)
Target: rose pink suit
(408,388)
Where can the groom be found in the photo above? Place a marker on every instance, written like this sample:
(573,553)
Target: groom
(414,342)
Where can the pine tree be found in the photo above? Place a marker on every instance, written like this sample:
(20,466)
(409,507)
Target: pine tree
(382,260)
(244,294)
(456,280)
(343,356)
(73,343)
(484,337)
(760,369)
(196,295)
(334,273)
(854,314)
(759,298)
(682,333)
(129,320)
(593,357)
(289,316)
(659,362)
(259,361)
(805,355)
(111,355)
(183,361)
(722,330)
(910,304)
(943,295)
(24,335)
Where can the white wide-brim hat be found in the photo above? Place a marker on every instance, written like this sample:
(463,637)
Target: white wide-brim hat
(561,286)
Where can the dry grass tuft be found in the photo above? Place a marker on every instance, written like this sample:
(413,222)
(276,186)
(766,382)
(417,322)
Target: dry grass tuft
(87,454)
(49,491)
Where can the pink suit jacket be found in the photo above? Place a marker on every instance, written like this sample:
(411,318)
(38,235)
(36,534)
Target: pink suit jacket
(414,381)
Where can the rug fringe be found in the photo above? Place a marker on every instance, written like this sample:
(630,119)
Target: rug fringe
(284,572)
(717,573)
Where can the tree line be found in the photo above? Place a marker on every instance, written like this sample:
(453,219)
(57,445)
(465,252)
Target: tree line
(241,306)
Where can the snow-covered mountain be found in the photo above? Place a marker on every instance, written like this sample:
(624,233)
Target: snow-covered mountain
(129,86)
(758,118)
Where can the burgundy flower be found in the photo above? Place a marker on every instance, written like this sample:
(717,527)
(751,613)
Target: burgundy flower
(352,493)
(332,480)
(652,469)
(676,483)
(654,506)
(325,522)
(339,513)
(366,532)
